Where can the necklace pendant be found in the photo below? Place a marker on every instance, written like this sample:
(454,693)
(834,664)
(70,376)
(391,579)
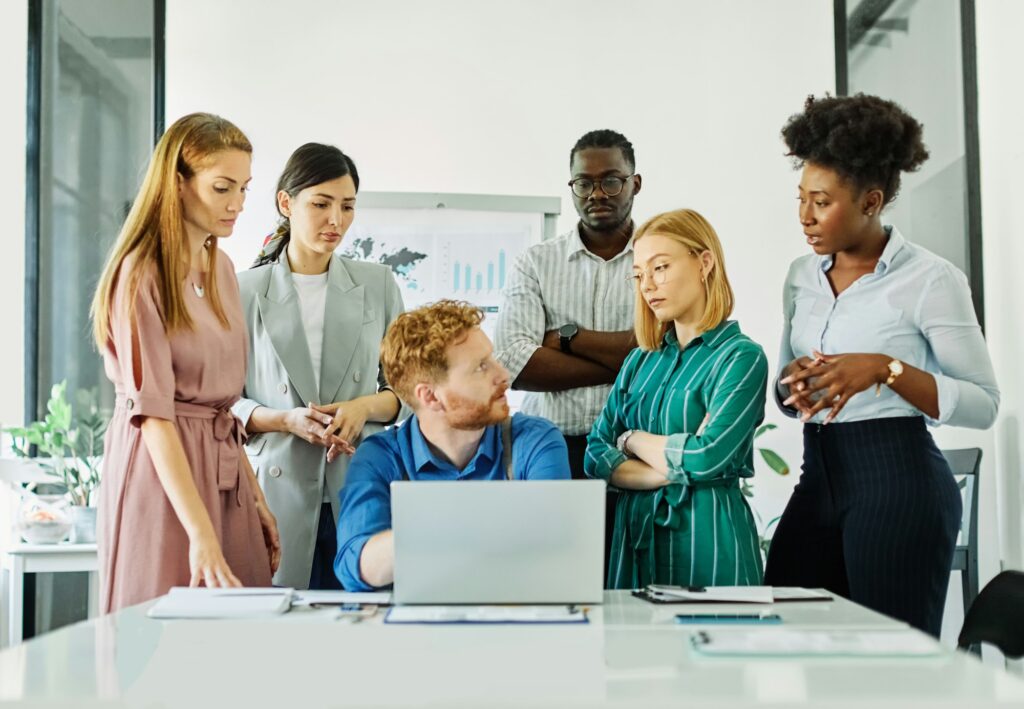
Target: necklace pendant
(200,291)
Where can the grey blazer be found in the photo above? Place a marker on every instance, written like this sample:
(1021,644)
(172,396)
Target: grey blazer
(362,300)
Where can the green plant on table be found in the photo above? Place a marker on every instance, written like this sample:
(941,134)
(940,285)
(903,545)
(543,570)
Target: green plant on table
(70,440)
(781,467)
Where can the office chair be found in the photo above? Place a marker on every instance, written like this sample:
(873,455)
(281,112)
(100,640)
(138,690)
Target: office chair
(997,616)
(966,463)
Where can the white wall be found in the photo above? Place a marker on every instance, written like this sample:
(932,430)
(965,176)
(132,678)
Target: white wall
(468,96)
(13,45)
(1001,115)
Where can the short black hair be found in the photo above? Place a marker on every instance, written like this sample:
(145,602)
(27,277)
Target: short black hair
(605,139)
(868,140)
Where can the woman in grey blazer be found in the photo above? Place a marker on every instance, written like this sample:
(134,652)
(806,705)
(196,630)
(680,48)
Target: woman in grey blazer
(314,387)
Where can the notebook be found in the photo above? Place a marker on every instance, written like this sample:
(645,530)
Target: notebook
(486,614)
(183,602)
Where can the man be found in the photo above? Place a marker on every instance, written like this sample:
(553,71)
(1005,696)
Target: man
(566,322)
(441,364)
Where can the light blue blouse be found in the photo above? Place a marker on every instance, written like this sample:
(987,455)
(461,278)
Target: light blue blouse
(916,307)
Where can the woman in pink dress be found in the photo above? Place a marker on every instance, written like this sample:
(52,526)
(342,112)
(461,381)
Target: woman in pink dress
(179,504)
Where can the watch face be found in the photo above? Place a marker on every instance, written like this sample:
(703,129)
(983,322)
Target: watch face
(896,367)
(568,330)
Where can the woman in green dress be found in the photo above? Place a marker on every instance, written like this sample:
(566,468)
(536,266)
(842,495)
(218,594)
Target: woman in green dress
(677,432)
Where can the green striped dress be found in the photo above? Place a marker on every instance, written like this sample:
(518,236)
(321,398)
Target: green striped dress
(698,530)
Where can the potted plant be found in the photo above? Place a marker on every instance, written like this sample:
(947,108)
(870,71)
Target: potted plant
(781,467)
(69,444)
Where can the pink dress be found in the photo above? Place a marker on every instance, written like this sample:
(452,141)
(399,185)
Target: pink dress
(191,378)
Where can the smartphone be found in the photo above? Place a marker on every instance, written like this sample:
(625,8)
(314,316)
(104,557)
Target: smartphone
(738,618)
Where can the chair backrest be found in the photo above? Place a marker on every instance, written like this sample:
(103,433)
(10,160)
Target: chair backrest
(966,462)
(997,615)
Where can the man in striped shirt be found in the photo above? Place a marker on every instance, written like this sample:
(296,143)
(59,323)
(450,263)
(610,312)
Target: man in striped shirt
(566,321)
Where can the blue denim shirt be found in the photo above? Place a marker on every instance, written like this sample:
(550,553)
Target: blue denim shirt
(538,453)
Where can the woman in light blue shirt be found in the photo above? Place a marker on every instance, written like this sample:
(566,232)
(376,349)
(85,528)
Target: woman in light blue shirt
(880,338)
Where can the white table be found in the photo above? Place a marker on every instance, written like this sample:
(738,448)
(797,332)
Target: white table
(630,654)
(24,559)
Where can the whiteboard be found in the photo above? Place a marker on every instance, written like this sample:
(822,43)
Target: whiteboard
(460,247)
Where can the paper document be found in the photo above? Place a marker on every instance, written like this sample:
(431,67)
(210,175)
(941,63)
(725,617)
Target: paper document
(182,602)
(486,614)
(794,593)
(778,642)
(337,598)
(715,594)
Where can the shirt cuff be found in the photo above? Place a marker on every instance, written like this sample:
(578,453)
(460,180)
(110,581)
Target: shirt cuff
(515,357)
(949,398)
(347,568)
(780,396)
(141,406)
(243,409)
(674,454)
(606,463)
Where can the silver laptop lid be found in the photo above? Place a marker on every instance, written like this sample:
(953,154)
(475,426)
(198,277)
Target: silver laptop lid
(498,541)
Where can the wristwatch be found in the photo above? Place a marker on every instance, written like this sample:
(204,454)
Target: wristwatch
(895,370)
(565,335)
(620,442)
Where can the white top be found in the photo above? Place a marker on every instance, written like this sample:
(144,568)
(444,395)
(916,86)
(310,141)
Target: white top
(312,291)
(554,284)
(915,307)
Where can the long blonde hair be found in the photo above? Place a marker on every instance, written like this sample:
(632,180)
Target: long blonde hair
(695,233)
(154,231)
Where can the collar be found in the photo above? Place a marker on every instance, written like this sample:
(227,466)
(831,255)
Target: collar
(577,247)
(892,249)
(422,456)
(713,338)
(281,286)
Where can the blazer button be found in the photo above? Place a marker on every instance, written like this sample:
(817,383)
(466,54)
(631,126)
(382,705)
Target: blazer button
(357,377)
(275,472)
(283,388)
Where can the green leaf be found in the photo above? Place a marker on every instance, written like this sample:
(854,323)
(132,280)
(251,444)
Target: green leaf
(764,429)
(774,461)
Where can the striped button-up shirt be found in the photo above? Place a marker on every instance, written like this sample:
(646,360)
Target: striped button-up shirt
(698,530)
(554,284)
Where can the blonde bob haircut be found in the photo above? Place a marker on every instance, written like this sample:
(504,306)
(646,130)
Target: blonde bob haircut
(695,233)
(154,235)
(415,347)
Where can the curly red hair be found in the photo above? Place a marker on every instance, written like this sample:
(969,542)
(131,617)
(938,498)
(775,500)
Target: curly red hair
(415,347)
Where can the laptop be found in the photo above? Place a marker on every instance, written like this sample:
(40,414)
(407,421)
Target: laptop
(483,542)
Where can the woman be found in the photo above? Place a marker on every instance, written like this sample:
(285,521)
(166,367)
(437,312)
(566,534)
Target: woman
(314,388)
(678,429)
(880,337)
(179,504)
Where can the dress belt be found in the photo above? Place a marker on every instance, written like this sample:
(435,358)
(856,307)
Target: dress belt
(663,512)
(227,428)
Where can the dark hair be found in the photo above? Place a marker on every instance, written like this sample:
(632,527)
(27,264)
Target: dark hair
(605,139)
(867,140)
(312,164)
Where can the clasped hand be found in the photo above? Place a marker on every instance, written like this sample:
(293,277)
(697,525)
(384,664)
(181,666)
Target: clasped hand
(830,381)
(334,426)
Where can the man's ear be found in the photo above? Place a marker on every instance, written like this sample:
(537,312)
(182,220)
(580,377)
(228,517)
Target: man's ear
(426,397)
(637,182)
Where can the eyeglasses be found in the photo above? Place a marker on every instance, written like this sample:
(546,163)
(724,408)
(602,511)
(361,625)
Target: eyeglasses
(659,274)
(611,185)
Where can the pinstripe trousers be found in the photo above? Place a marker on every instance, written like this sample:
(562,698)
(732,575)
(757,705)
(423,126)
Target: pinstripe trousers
(874,518)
